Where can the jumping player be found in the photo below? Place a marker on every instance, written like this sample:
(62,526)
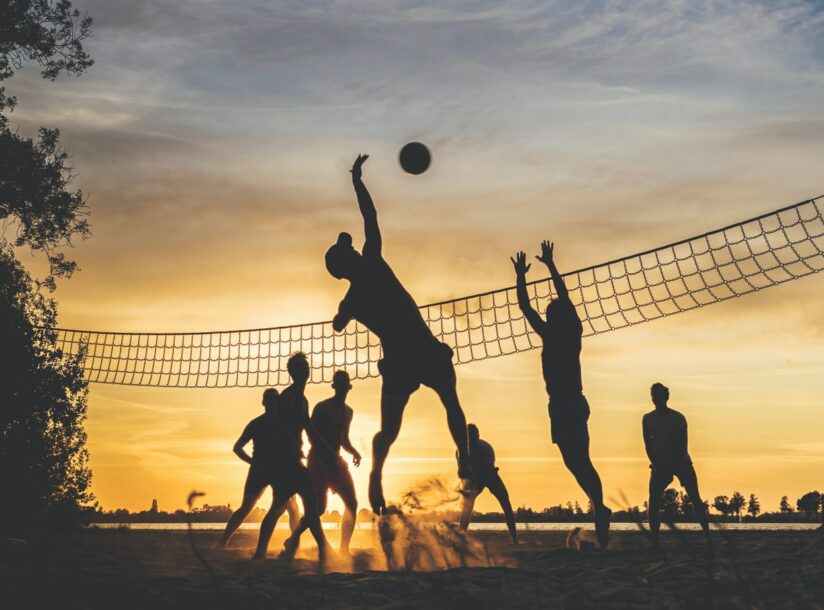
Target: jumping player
(484,476)
(665,439)
(331,419)
(291,476)
(412,355)
(262,432)
(561,334)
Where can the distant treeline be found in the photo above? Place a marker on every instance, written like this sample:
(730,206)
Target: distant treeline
(676,507)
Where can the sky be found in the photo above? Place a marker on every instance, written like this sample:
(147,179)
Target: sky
(213,140)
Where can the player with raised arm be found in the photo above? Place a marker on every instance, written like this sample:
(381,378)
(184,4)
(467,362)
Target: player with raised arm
(561,335)
(411,354)
(263,434)
(665,440)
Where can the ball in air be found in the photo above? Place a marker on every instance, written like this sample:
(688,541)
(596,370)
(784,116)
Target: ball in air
(415,158)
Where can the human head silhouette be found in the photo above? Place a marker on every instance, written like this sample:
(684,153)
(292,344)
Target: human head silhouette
(270,400)
(555,312)
(342,259)
(298,367)
(341,384)
(660,394)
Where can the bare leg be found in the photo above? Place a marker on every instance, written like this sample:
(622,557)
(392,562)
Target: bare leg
(267,526)
(689,480)
(498,489)
(250,497)
(312,517)
(294,513)
(657,485)
(347,526)
(457,424)
(467,506)
(391,416)
(577,460)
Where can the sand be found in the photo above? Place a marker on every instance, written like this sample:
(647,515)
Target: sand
(117,569)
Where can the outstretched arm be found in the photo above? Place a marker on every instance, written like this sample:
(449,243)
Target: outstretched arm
(347,444)
(547,251)
(239,450)
(371,229)
(532,316)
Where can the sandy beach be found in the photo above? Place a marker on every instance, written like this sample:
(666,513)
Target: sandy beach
(140,569)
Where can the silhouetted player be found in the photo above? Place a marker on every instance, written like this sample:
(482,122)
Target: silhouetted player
(665,438)
(263,433)
(411,354)
(291,476)
(561,334)
(331,419)
(484,476)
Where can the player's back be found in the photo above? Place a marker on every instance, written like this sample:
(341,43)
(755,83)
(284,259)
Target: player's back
(561,354)
(663,431)
(263,430)
(292,415)
(378,300)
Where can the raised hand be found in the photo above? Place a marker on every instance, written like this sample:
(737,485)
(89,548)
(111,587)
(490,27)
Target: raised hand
(547,248)
(356,166)
(520,264)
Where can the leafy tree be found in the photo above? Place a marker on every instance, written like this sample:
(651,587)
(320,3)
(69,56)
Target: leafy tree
(34,175)
(809,503)
(753,506)
(722,505)
(669,504)
(43,460)
(785,507)
(737,503)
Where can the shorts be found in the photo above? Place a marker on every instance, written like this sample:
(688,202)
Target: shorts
(294,479)
(662,478)
(568,420)
(430,365)
(336,478)
(257,480)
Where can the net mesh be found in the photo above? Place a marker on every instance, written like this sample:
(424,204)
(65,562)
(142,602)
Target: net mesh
(751,255)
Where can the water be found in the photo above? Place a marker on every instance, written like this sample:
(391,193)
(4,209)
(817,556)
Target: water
(480,527)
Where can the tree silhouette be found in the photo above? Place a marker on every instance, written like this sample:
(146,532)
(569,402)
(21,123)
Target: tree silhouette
(753,506)
(737,503)
(809,503)
(722,505)
(669,504)
(43,461)
(785,507)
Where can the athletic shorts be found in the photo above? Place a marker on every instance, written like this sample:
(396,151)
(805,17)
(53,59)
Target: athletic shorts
(430,365)
(257,480)
(336,478)
(662,478)
(568,420)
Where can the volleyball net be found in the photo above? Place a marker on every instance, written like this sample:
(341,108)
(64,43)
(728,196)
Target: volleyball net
(751,255)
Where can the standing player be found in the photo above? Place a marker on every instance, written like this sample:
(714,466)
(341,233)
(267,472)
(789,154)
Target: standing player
(263,433)
(411,354)
(331,419)
(291,476)
(484,475)
(665,439)
(561,334)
